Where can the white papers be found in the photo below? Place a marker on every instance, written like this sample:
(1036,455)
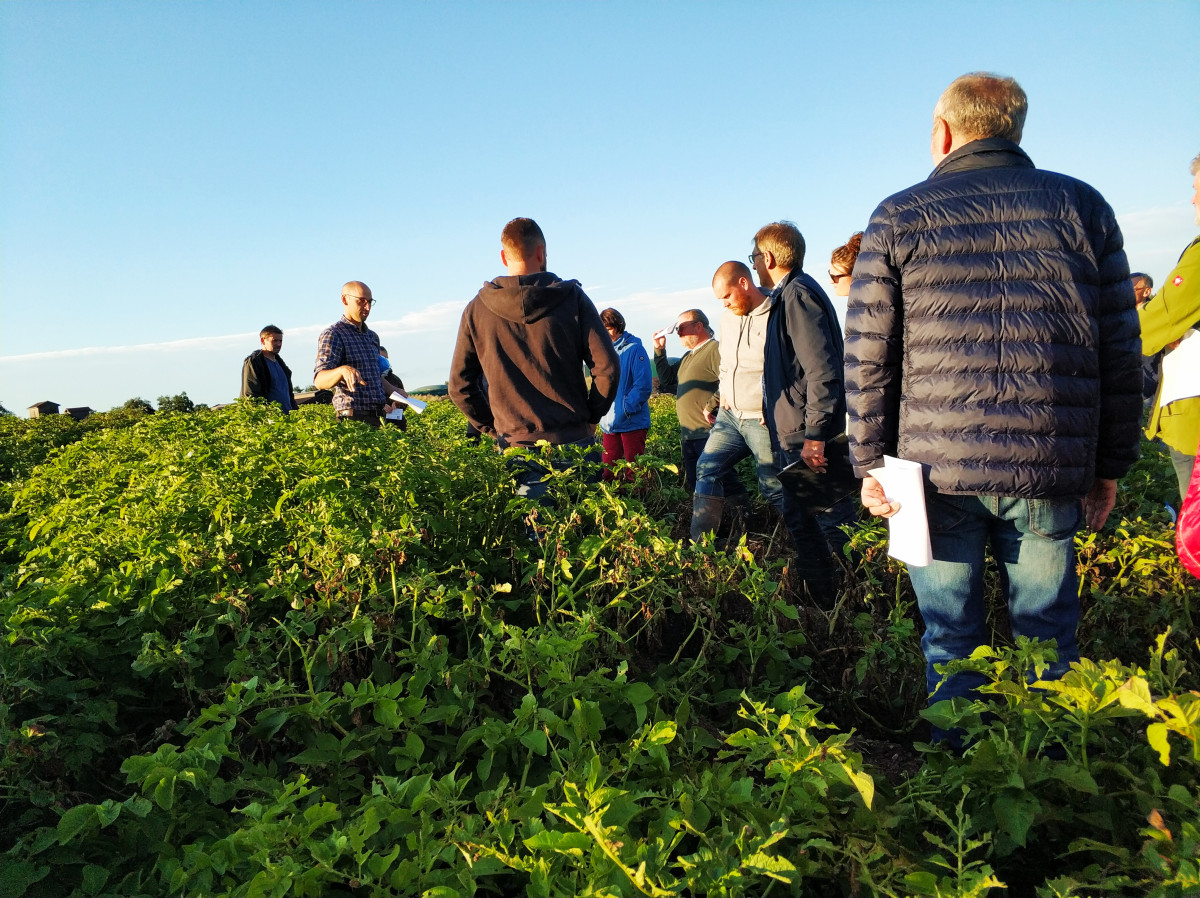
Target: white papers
(908,529)
(1181,370)
(415,404)
(396,414)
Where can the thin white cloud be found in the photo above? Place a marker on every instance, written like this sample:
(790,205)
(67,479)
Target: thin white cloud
(191,343)
(432,318)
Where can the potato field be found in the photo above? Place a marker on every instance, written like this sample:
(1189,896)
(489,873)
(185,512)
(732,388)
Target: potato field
(250,654)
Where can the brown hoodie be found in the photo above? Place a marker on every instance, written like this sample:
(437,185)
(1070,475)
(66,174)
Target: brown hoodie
(518,369)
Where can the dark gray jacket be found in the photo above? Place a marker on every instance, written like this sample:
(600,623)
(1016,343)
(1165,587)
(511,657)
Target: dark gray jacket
(991,332)
(803,394)
(256,376)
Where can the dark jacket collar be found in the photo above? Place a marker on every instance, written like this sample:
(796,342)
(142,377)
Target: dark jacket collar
(991,152)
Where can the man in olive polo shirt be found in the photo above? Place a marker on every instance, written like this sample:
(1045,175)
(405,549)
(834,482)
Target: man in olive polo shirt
(695,381)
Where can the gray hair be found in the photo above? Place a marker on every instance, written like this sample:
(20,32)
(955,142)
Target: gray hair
(1194,168)
(698,315)
(1142,276)
(980,104)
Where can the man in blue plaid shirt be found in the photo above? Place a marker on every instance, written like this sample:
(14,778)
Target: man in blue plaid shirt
(348,360)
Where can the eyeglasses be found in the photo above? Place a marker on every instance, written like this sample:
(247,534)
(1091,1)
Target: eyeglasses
(361,300)
(833,276)
(754,255)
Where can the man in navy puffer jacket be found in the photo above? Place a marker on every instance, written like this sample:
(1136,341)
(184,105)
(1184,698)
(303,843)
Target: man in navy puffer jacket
(992,337)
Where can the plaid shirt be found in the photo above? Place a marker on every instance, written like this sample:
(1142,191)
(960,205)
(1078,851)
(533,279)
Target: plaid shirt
(343,343)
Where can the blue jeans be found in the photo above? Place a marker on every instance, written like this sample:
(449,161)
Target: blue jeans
(530,473)
(1033,541)
(692,450)
(730,440)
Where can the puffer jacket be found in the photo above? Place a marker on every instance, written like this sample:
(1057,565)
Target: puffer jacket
(991,332)
(631,409)
(803,394)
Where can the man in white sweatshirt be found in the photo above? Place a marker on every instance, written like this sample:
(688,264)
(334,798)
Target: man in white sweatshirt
(739,429)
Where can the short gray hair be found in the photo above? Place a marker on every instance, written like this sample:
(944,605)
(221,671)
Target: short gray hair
(980,104)
(698,315)
(1194,168)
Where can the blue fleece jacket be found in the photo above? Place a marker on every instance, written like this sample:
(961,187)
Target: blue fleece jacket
(630,410)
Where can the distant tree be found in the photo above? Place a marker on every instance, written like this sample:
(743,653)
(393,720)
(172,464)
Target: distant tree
(136,404)
(5,412)
(176,403)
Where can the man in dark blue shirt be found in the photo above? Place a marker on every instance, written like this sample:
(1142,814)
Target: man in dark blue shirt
(265,375)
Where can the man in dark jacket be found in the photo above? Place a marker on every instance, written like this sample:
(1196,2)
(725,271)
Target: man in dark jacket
(530,335)
(804,405)
(992,337)
(265,375)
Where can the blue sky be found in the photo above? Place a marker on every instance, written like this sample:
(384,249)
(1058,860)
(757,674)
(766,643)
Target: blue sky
(175,175)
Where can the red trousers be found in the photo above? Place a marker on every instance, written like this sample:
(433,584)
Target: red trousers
(628,446)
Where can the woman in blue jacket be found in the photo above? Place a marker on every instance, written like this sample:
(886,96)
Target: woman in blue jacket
(625,426)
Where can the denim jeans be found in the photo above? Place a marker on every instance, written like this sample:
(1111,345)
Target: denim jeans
(1033,541)
(730,440)
(692,450)
(530,473)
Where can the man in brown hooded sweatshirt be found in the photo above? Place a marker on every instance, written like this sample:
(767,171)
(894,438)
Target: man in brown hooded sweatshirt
(523,344)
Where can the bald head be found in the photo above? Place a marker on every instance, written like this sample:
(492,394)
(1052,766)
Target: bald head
(730,271)
(356,301)
(734,286)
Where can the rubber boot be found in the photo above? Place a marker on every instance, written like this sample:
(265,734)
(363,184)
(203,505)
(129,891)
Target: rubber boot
(706,515)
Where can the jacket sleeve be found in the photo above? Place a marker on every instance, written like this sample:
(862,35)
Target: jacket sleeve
(816,351)
(466,380)
(1175,308)
(1120,356)
(601,358)
(668,374)
(250,383)
(874,348)
(641,381)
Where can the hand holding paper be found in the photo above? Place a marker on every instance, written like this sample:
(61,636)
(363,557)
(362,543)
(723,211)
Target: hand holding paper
(875,500)
(908,527)
(415,404)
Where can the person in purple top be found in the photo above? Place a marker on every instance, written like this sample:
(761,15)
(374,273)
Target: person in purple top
(348,360)
(264,374)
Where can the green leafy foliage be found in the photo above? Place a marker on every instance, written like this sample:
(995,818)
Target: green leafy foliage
(245,653)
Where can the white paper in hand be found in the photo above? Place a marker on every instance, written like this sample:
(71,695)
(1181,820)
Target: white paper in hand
(415,404)
(908,529)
